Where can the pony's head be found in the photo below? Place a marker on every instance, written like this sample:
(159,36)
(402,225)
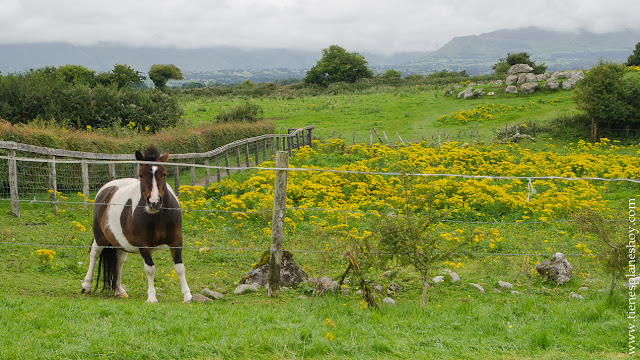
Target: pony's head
(153,178)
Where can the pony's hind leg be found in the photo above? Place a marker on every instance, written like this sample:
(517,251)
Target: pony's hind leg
(94,254)
(120,290)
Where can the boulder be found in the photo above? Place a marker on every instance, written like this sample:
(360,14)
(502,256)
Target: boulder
(454,276)
(573,295)
(377,288)
(490,93)
(466,93)
(478,93)
(393,288)
(551,84)
(519,68)
(389,301)
(324,285)
(511,89)
(566,85)
(200,298)
(560,75)
(511,79)
(505,285)
(477,286)
(498,82)
(529,87)
(290,273)
(522,78)
(212,294)
(245,289)
(558,269)
(531,77)
(438,279)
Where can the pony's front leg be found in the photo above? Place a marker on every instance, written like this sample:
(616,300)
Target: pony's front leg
(93,257)
(176,254)
(149,270)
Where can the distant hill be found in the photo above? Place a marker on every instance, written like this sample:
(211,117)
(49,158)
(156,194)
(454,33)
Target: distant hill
(559,50)
(226,64)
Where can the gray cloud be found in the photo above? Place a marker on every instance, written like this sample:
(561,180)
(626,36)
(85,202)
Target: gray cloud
(362,25)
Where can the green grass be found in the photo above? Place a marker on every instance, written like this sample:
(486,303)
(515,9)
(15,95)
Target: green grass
(43,315)
(413,113)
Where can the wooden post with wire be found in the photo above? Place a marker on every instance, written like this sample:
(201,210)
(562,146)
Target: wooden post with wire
(277,222)
(13,183)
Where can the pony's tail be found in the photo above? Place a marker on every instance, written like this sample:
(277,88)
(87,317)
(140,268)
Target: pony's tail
(108,267)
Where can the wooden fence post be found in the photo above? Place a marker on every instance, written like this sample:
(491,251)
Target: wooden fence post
(226,163)
(84,165)
(439,140)
(176,180)
(206,171)
(53,183)
(277,222)
(238,157)
(193,173)
(112,171)
(13,183)
(218,170)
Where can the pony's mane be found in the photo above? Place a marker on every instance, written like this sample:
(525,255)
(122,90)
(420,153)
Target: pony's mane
(151,154)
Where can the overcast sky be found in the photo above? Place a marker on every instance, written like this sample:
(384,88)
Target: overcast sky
(358,25)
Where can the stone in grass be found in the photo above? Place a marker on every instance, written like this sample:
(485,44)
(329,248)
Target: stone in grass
(584,288)
(212,294)
(389,301)
(377,288)
(454,276)
(393,288)
(438,279)
(245,289)
(505,285)
(477,286)
(200,298)
(573,295)
(558,269)
(290,272)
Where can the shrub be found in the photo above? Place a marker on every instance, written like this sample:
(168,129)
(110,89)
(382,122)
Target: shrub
(246,112)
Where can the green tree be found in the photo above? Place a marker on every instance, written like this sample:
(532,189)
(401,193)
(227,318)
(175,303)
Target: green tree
(338,65)
(160,74)
(504,64)
(608,96)
(75,74)
(392,74)
(634,58)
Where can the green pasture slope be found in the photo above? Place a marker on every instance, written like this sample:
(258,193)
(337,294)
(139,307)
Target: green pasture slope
(43,315)
(412,112)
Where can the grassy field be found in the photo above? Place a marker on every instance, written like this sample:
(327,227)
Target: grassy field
(413,113)
(43,315)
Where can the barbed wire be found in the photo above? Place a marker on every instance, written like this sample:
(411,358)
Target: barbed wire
(205,248)
(353,172)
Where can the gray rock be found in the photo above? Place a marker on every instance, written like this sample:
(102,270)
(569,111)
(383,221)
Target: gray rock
(466,93)
(389,301)
(245,289)
(498,82)
(511,79)
(438,279)
(511,89)
(346,291)
(454,276)
(529,87)
(358,292)
(377,288)
(551,84)
(522,78)
(519,68)
(477,286)
(505,285)
(478,93)
(531,77)
(393,288)
(490,93)
(516,292)
(212,294)
(558,269)
(290,273)
(200,298)
(566,85)
(325,285)
(303,297)
(573,295)
(635,281)
(386,273)
(584,288)
(560,75)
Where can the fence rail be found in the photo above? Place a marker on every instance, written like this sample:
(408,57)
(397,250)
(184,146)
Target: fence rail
(62,174)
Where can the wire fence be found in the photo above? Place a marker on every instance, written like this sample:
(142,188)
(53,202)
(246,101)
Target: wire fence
(34,176)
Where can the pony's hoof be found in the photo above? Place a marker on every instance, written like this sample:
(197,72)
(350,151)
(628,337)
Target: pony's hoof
(122,296)
(83,291)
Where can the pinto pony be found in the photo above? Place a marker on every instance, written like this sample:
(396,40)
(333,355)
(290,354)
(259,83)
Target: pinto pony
(136,216)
